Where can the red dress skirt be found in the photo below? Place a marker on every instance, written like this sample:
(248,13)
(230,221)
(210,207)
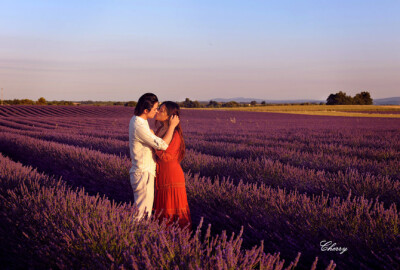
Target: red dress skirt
(170,192)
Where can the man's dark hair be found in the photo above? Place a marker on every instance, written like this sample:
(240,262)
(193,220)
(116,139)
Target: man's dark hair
(146,101)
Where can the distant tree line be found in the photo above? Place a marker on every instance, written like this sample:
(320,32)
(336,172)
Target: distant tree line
(130,104)
(40,101)
(232,104)
(211,104)
(108,103)
(340,98)
(43,101)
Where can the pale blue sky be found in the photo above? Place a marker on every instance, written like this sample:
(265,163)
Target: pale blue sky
(117,50)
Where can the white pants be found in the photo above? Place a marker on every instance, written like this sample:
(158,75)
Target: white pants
(143,191)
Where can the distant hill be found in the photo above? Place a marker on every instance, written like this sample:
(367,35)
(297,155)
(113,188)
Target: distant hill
(387,101)
(248,100)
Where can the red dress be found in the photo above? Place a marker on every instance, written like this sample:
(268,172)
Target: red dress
(170,188)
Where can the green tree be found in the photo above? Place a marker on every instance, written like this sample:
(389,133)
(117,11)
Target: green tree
(196,104)
(190,104)
(339,98)
(213,104)
(41,101)
(253,103)
(363,98)
(331,100)
(344,99)
(26,102)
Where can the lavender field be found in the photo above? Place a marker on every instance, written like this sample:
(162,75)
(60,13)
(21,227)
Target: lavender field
(272,186)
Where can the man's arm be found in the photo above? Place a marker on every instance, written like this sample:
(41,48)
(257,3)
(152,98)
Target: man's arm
(145,134)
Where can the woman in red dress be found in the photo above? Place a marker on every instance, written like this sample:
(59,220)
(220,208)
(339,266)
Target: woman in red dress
(170,198)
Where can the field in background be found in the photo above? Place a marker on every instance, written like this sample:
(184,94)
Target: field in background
(389,111)
(289,180)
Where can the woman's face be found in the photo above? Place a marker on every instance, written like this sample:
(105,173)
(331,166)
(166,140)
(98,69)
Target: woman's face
(162,114)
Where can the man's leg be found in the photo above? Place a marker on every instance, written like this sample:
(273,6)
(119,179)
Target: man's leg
(150,194)
(143,190)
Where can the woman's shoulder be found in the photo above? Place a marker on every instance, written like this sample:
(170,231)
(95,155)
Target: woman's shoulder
(176,135)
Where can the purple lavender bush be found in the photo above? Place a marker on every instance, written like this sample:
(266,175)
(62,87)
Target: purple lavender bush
(45,224)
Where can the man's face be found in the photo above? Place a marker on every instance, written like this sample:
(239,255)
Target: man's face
(153,111)
(162,114)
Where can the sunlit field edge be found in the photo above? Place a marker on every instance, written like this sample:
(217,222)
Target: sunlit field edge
(329,110)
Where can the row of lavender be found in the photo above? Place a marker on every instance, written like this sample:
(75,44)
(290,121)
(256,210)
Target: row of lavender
(357,134)
(83,167)
(27,110)
(46,224)
(105,111)
(356,141)
(287,221)
(275,164)
(245,145)
(381,134)
(374,144)
(267,171)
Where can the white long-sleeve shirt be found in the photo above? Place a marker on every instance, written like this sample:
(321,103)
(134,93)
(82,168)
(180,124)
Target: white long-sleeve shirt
(141,141)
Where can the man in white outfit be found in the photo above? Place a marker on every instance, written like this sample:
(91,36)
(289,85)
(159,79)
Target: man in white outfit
(141,142)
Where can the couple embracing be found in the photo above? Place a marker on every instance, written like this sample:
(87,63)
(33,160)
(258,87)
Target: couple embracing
(156,176)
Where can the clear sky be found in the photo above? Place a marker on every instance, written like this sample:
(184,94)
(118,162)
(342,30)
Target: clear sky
(119,49)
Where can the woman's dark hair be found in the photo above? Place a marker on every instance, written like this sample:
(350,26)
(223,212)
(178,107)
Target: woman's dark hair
(173,109)
(146,101)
